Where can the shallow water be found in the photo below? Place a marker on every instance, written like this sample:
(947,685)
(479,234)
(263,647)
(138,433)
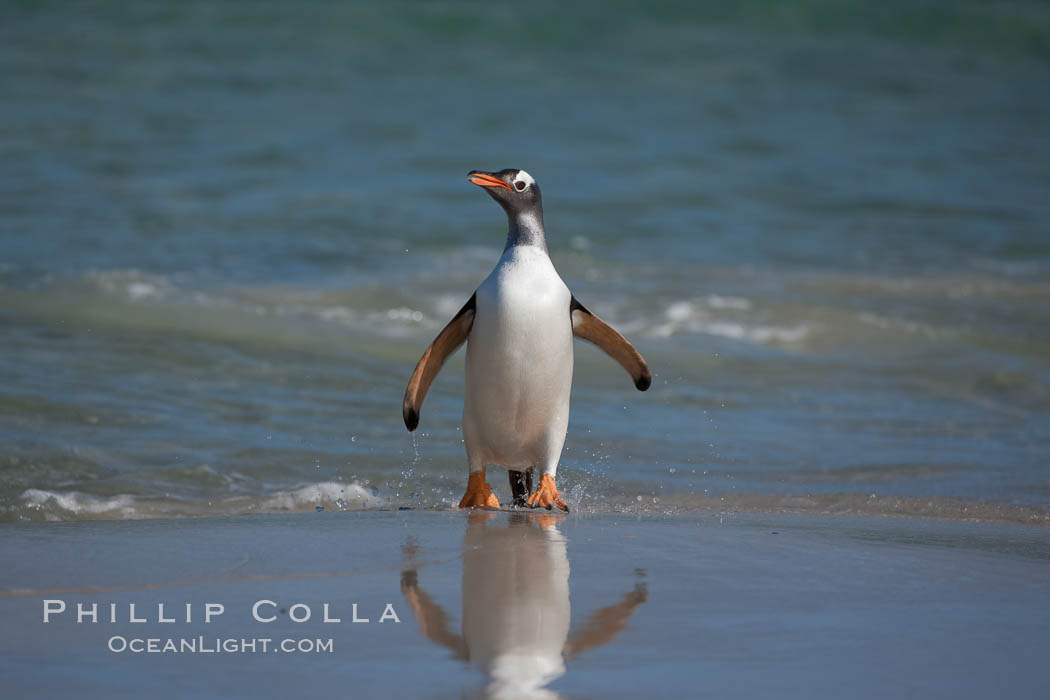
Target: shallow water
(227,233)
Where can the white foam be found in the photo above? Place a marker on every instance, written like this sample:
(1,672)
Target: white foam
(757,334)
(136,285)
(901,324)
(735,303)
(324,494)
(692,317)
(403,313)
(142,290)
(680,311)
(336,314)
(79,503)
(74,505)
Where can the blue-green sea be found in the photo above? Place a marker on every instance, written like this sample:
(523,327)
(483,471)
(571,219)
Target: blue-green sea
(228,231)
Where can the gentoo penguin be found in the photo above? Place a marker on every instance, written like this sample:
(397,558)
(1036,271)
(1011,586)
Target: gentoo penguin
(515,629)
(518,327)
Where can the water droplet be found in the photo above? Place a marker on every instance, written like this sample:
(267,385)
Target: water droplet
(639,499)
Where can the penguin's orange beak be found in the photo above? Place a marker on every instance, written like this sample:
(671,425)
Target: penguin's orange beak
(486,180)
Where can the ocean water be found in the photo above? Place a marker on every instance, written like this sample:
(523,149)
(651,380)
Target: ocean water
(228,231)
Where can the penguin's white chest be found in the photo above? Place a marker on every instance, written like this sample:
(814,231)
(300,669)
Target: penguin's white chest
(519,364)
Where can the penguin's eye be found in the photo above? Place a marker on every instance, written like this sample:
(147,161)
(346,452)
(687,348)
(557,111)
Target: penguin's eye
(520,185)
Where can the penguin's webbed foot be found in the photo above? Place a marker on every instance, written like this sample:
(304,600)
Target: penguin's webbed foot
(547,496)
(479,493)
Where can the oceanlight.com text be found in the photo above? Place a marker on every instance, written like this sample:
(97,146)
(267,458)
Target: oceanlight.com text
(218,645)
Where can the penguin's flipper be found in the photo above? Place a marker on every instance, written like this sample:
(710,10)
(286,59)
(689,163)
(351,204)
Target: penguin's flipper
(447,341)
(592,329)
(432,618)
(603,625)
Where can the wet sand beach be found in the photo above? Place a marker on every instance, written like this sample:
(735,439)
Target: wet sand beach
(527,604)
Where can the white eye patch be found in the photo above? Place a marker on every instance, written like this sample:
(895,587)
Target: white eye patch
(523,180)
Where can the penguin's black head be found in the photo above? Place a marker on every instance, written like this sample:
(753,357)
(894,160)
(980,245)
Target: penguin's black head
(515,190)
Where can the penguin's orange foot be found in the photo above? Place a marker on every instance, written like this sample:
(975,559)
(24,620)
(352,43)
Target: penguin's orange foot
(479,493)
(547,496)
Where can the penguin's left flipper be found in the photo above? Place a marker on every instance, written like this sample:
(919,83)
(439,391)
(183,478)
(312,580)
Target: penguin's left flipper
(447,341)
(592,329)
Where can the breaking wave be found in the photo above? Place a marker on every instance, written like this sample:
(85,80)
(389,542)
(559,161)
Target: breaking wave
(54,506)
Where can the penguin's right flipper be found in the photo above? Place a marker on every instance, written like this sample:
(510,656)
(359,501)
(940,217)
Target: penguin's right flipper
(447,341)
(591,328)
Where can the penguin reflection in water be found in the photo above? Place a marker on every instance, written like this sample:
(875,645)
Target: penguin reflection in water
(518,326)
(515,628)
